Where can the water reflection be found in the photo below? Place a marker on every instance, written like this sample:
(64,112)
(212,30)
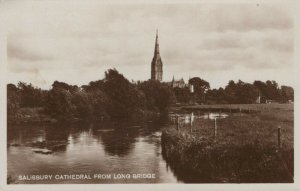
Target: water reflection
(118,146)
(56,137)
(117,138)
(187,118)
(105,147)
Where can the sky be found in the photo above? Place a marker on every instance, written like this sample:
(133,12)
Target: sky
(77,41)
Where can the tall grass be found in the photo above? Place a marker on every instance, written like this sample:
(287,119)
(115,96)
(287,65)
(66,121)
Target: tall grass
(245,107)
(244,150)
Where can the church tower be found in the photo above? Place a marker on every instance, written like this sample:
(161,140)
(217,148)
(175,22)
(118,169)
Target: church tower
(156,64)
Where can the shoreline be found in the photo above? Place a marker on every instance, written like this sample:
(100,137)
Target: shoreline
(245,150)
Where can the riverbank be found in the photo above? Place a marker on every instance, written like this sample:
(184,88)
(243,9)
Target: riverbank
(134,147)
(245,149)
(30,115)
(234,108)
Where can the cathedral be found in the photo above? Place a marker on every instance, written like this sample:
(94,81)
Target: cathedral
(157,70)
(156,64)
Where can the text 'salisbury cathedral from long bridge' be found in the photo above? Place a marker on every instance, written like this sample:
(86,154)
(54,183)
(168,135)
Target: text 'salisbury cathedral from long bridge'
(157,68)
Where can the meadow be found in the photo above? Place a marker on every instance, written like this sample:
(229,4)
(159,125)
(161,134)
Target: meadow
(244,148)
(242,107)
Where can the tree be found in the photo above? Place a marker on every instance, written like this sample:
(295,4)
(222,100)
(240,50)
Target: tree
(99,101)
(182,94)
(246,93)
(230,92)
(126,98)
(158,95)
(268,90)
(30,96)
(287,93)
(13,100)
(59,102)
(216,96)
(240,92)
(200,86)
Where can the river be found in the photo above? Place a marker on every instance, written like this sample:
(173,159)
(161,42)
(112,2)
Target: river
(111,148)
(106,152)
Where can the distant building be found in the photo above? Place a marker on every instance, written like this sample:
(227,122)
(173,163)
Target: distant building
(157,70)
(258,99)
(191,88)
(178,83)
(269,101)
(156,64)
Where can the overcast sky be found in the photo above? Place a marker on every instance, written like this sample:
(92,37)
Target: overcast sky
(77,42)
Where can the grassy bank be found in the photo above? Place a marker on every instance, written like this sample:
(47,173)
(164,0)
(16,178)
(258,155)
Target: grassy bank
(245,148)
(243,107)
(29,115)
(38,115)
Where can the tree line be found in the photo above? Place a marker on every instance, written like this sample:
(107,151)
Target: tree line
(115,96)
(239,92)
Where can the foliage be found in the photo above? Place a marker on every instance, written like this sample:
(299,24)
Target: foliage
(116,96)
(30,96)
(158,95)
(200,88)
(244,149)
(126,98)
(183,95)
(13,100)
(59,101)
(287,93)
(246,93)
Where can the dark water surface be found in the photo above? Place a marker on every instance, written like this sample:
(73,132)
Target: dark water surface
(112,148)
(114,151)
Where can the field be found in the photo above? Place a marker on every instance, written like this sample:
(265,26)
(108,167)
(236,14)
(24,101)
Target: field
(239,107)
(242,148)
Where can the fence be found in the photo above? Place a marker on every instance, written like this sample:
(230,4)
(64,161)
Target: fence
(184,122)
(273,136)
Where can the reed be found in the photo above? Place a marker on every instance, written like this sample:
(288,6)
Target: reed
(245,149)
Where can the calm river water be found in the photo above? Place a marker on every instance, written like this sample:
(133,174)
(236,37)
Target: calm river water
(114,150)
(107,148)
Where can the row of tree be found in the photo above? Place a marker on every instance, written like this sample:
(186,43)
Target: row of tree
(116,96)
(235,92)
(113,96)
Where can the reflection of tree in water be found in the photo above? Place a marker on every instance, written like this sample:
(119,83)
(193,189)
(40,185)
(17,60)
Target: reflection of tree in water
(81,133)
(56,137)
(20,134)
(185,174)
(117,136)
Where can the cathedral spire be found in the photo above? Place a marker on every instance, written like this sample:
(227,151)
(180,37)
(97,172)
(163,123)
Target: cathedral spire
(156,64)
(156,50)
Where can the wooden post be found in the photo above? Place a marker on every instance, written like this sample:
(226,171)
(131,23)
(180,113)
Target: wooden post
(279,137)
(215,129)
(191,124)
(177,122)
(240,111)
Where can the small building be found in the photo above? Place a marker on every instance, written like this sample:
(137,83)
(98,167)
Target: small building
(269,101)
(178,83)
(258,99)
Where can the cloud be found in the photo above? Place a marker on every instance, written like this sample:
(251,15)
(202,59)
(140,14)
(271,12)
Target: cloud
(16,51)
(51,38)
(251,17)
